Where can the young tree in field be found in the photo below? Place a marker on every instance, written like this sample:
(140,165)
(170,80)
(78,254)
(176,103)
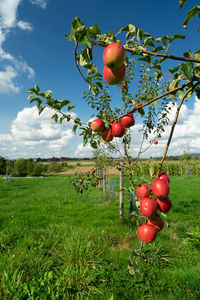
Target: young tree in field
(157,91)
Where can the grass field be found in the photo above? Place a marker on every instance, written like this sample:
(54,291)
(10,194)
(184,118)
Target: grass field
(57,244)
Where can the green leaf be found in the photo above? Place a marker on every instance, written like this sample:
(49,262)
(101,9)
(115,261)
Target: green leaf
(93,31)
(175,69)
(74,128)
(197,72)
(85,41)
(37,88)
(181,3)
(77,22)
(165,39)
(54,117)
(38,100)
(148,41)
(128,27)
(64,103)
(187,69)
(40,109)
(139,34)
(191,14)
(181,94)
(31,90)
(175,37)
(70,107)
(47,93)
(84,57)
(159,48)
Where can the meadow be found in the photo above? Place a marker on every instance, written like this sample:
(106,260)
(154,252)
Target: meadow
(58,244)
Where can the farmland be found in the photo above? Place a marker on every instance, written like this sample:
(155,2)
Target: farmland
(57,244)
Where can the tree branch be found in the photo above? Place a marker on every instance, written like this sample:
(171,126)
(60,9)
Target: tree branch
(173,125)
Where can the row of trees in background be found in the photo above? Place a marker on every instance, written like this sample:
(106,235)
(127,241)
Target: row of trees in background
(20,167)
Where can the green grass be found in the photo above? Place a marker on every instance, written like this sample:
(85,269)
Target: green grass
(57,244)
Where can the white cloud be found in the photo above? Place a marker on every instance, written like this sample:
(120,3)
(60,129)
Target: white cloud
(8,21)
(41,3)
(6,80)
(25,25)
(32,133)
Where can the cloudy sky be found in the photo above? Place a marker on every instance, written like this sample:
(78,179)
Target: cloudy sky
(33,50)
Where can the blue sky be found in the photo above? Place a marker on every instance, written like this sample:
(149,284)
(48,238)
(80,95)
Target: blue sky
(34,50)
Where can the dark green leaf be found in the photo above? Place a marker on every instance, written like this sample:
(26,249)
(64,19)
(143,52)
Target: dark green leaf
(85,41)
(93,31)
(181,3)
(191,14)
(187,69)
(40,109)
(64,103)
(70,107)
(54,117)
(159,48)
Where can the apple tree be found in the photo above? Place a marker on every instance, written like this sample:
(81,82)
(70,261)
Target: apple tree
(123,53)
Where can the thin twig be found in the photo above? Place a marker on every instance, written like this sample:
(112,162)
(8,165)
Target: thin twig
(174,124)
(165,55)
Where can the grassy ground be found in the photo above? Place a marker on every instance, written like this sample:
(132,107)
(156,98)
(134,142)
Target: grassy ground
(57,244)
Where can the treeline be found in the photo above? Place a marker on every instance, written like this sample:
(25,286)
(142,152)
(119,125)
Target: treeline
(20,167)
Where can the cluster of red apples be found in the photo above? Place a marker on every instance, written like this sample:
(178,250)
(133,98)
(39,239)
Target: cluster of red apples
(114,70)
(116,129)
(152,200)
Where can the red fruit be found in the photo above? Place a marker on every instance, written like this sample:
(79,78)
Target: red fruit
(107,135)
(155,142)
(163,175)
(156,221)
(97,125)
(124,85)
(93,170)
(114,55)
(96,182)
(119,169)
(101,177)
(164,204)
(118,129)
(128,120)
(143,191)
(160,188)
(114,76)
(148,207)
(146,233)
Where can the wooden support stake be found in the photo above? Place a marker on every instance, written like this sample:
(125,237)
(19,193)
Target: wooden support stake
(121,194)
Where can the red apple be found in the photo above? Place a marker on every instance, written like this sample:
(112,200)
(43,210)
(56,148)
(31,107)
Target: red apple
(148,207)
(156,221)
(114,55)
(107,135)
(146,233)
(155,142)
(98,125)
(160,188)
(93,170)
(128,120)
(118,129)
(143,191)
(164,204)
(114,76)
(124,85)
(163,175)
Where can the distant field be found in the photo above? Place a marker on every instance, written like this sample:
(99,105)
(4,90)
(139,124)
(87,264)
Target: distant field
(57,244)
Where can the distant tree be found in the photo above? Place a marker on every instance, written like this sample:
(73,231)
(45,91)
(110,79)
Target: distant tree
(20,167)
(37,170)
(2,165)
(29,166)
